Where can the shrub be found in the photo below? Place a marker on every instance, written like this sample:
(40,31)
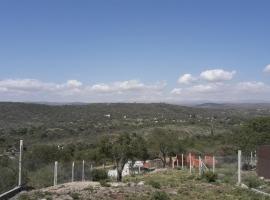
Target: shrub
(99,174)
(104,183)
(158,195)
(24,197)
(75,196)
(210,176)
(154,184)
(247,167)
(253,182)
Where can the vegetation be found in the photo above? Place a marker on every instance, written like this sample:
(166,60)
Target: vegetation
(99,175)
(175,184)
(160,196)
(210,176)
(69,133)
(123,148)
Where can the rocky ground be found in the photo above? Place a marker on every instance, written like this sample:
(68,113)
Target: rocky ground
(89,190)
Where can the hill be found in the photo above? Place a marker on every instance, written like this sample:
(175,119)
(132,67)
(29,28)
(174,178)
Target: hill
(40,123)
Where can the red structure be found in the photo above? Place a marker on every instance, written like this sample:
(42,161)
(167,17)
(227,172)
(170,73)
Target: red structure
(263,165)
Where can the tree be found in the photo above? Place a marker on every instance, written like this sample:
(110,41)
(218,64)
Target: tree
(253,134)
(122,148)
(164,144)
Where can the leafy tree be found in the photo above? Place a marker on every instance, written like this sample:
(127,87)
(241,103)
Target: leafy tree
(122,148)
(252,134)
(164,144)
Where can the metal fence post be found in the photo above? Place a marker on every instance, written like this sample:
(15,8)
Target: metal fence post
(239,167)
(20,163)
(72,172)
(55,173)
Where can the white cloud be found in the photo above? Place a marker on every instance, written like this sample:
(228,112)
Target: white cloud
(267,69)
(217,75)
(25,85)
(101,88)
(127,86)
(249,91)
(176,91)
(205,88)
(252,86)
(73,83)
(186,79)
(74,90)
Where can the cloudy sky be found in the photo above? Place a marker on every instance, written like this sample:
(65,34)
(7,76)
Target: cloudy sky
(127,51)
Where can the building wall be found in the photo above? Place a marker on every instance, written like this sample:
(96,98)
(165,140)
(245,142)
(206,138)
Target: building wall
(263,165)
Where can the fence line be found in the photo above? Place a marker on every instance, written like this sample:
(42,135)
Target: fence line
(63,173)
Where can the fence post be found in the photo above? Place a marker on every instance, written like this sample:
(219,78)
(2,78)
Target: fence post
(239,167)
(200,166)
(83,171)
(182,161)
(255,158)
(214,164)
(55,173)
(190,163)
(20,163)
(72,172)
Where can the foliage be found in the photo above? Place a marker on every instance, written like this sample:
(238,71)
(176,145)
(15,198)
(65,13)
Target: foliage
(210,176)
(122,148)
(75,195)
(160,195)
(253,134)
(164,144)
(99,174)
(9,174)
(40,178)
(154,184)
(104,183)
(253,181)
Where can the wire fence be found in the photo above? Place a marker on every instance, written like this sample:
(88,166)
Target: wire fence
(230,169)
(8,172)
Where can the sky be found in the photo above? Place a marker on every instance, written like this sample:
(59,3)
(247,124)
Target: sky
(171,51)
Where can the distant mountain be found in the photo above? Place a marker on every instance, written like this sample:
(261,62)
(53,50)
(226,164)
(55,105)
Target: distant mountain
(234,105)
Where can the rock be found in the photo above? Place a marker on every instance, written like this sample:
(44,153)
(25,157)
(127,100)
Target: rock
(140,183)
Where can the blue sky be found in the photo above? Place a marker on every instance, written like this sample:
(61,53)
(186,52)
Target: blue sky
(128,50)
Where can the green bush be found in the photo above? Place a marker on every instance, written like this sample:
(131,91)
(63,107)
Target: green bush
(99,174)
(158,195)
(210,176)
(75,195)
(24,197)
(154,184)
(253,182)
(104,183)
(41,178)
